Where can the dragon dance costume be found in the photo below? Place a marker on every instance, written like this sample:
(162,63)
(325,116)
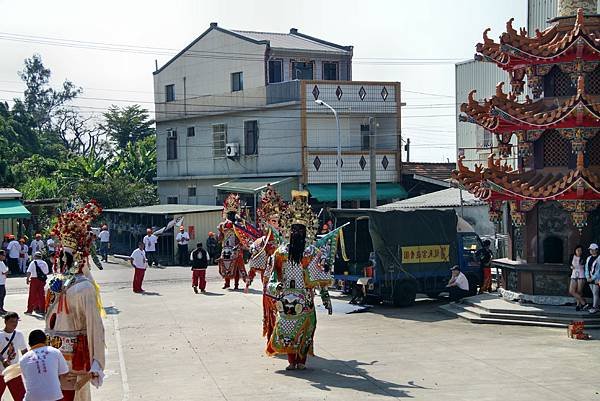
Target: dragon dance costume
(74,309)
(293,284)
(269,216)
(231,262)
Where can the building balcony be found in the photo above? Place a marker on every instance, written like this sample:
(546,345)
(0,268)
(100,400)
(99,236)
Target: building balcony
(321,166)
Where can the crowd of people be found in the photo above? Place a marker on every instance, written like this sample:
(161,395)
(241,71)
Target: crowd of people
(585,271)
(19,252)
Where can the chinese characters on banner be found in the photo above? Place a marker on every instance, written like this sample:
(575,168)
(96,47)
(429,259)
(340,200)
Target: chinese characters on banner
(426,254)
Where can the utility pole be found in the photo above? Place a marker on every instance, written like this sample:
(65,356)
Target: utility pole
(373,161)
(407,148)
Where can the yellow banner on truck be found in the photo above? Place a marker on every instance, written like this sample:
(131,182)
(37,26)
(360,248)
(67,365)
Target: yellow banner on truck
(426,254)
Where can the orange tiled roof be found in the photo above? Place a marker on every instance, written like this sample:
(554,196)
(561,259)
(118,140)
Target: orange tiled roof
(535,184)
(504,113)
(555,41)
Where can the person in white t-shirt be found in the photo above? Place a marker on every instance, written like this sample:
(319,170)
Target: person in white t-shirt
(41,369)
(138,262)
(3,274)
(458,286)
(14,249)
(12,341)
(23,256)
(183,238)
(37,245)
(150,241)
(104,237)
(36,301)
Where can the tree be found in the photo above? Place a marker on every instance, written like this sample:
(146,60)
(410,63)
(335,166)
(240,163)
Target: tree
(40,100)
(129,124)
(138,160)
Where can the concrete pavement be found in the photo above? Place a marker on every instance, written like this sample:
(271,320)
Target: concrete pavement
(172,344)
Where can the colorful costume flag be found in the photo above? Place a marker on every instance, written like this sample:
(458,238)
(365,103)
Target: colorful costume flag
(74,311)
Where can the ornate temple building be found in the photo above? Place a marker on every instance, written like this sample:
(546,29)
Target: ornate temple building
(551,198)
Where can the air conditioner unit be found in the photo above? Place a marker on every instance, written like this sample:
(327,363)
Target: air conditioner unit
(171,133)
(232,149)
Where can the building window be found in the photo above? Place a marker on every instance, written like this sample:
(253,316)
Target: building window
(330,71)
(275,71)
(170,93)
(302,70)
(251,137)
(237,81)
(191,191)
(558,83)
(364,136)
(191,131)
(172,200)
(219,140)
(171,144)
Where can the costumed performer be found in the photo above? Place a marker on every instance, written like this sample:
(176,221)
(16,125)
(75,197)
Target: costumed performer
(231,261)
(298,272)
(74,314)
(269,215)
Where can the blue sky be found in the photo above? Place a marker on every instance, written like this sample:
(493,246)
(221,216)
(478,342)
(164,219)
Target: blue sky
(442,31)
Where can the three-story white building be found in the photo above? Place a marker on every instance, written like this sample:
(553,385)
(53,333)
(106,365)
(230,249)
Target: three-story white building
(236,110)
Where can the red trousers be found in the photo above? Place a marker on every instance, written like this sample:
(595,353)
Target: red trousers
(68,395)
(236,279)
(199,278)
(138,278)
(487,280)
(294,359)
(16,388)
(36,301)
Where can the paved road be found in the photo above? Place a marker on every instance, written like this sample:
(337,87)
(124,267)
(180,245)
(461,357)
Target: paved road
(174,345)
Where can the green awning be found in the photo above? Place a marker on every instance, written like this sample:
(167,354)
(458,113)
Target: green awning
(328,192)
(13,209)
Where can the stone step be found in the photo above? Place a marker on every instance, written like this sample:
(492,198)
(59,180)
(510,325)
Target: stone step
(591,321)
(471,314)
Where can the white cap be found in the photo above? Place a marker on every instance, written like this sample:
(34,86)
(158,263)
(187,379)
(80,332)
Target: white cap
(593,246)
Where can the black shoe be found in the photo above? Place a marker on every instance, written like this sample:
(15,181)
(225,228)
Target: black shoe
(195,289)
(203,291)
(578,308)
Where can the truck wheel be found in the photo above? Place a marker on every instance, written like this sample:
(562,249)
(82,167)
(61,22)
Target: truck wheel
(473,282)
(405,293)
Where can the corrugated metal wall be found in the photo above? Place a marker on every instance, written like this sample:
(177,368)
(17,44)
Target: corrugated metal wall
(8,226)
(538,13)
(198,226)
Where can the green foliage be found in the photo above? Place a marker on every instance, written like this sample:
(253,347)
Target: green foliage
(48,150)
(126,125)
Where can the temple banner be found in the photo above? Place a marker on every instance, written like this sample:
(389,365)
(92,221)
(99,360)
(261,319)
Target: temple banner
(426,254)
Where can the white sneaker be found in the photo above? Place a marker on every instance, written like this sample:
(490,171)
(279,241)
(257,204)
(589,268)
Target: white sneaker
(593,310)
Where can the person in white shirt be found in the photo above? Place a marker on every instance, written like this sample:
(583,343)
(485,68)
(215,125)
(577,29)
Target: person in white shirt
(12,341)
(50,246)
(458,286)
(36,278)
(138,262)
(37,245)
(104,237)
(182,238)
(14,249)
(23,256)
(41,369)
(3,274)
(150,241)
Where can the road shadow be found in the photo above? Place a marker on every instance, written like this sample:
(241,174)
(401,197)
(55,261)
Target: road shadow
(330,374)
(253,291)
(423,310)
(152,293)
(211,294)
(111,310)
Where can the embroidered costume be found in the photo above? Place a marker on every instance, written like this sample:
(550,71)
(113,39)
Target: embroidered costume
(269,215)
(293,284)
(231,262)
(74,313)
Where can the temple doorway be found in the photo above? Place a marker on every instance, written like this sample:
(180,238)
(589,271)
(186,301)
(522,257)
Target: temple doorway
(553,250)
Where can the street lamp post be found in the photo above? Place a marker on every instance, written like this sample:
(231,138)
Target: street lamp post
(339,153)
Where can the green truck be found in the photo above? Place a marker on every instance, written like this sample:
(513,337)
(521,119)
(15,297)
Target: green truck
(395,254)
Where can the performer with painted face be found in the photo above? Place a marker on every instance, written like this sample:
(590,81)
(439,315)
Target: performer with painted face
(298,272)
(74,316)
(269,215)
(231,262)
